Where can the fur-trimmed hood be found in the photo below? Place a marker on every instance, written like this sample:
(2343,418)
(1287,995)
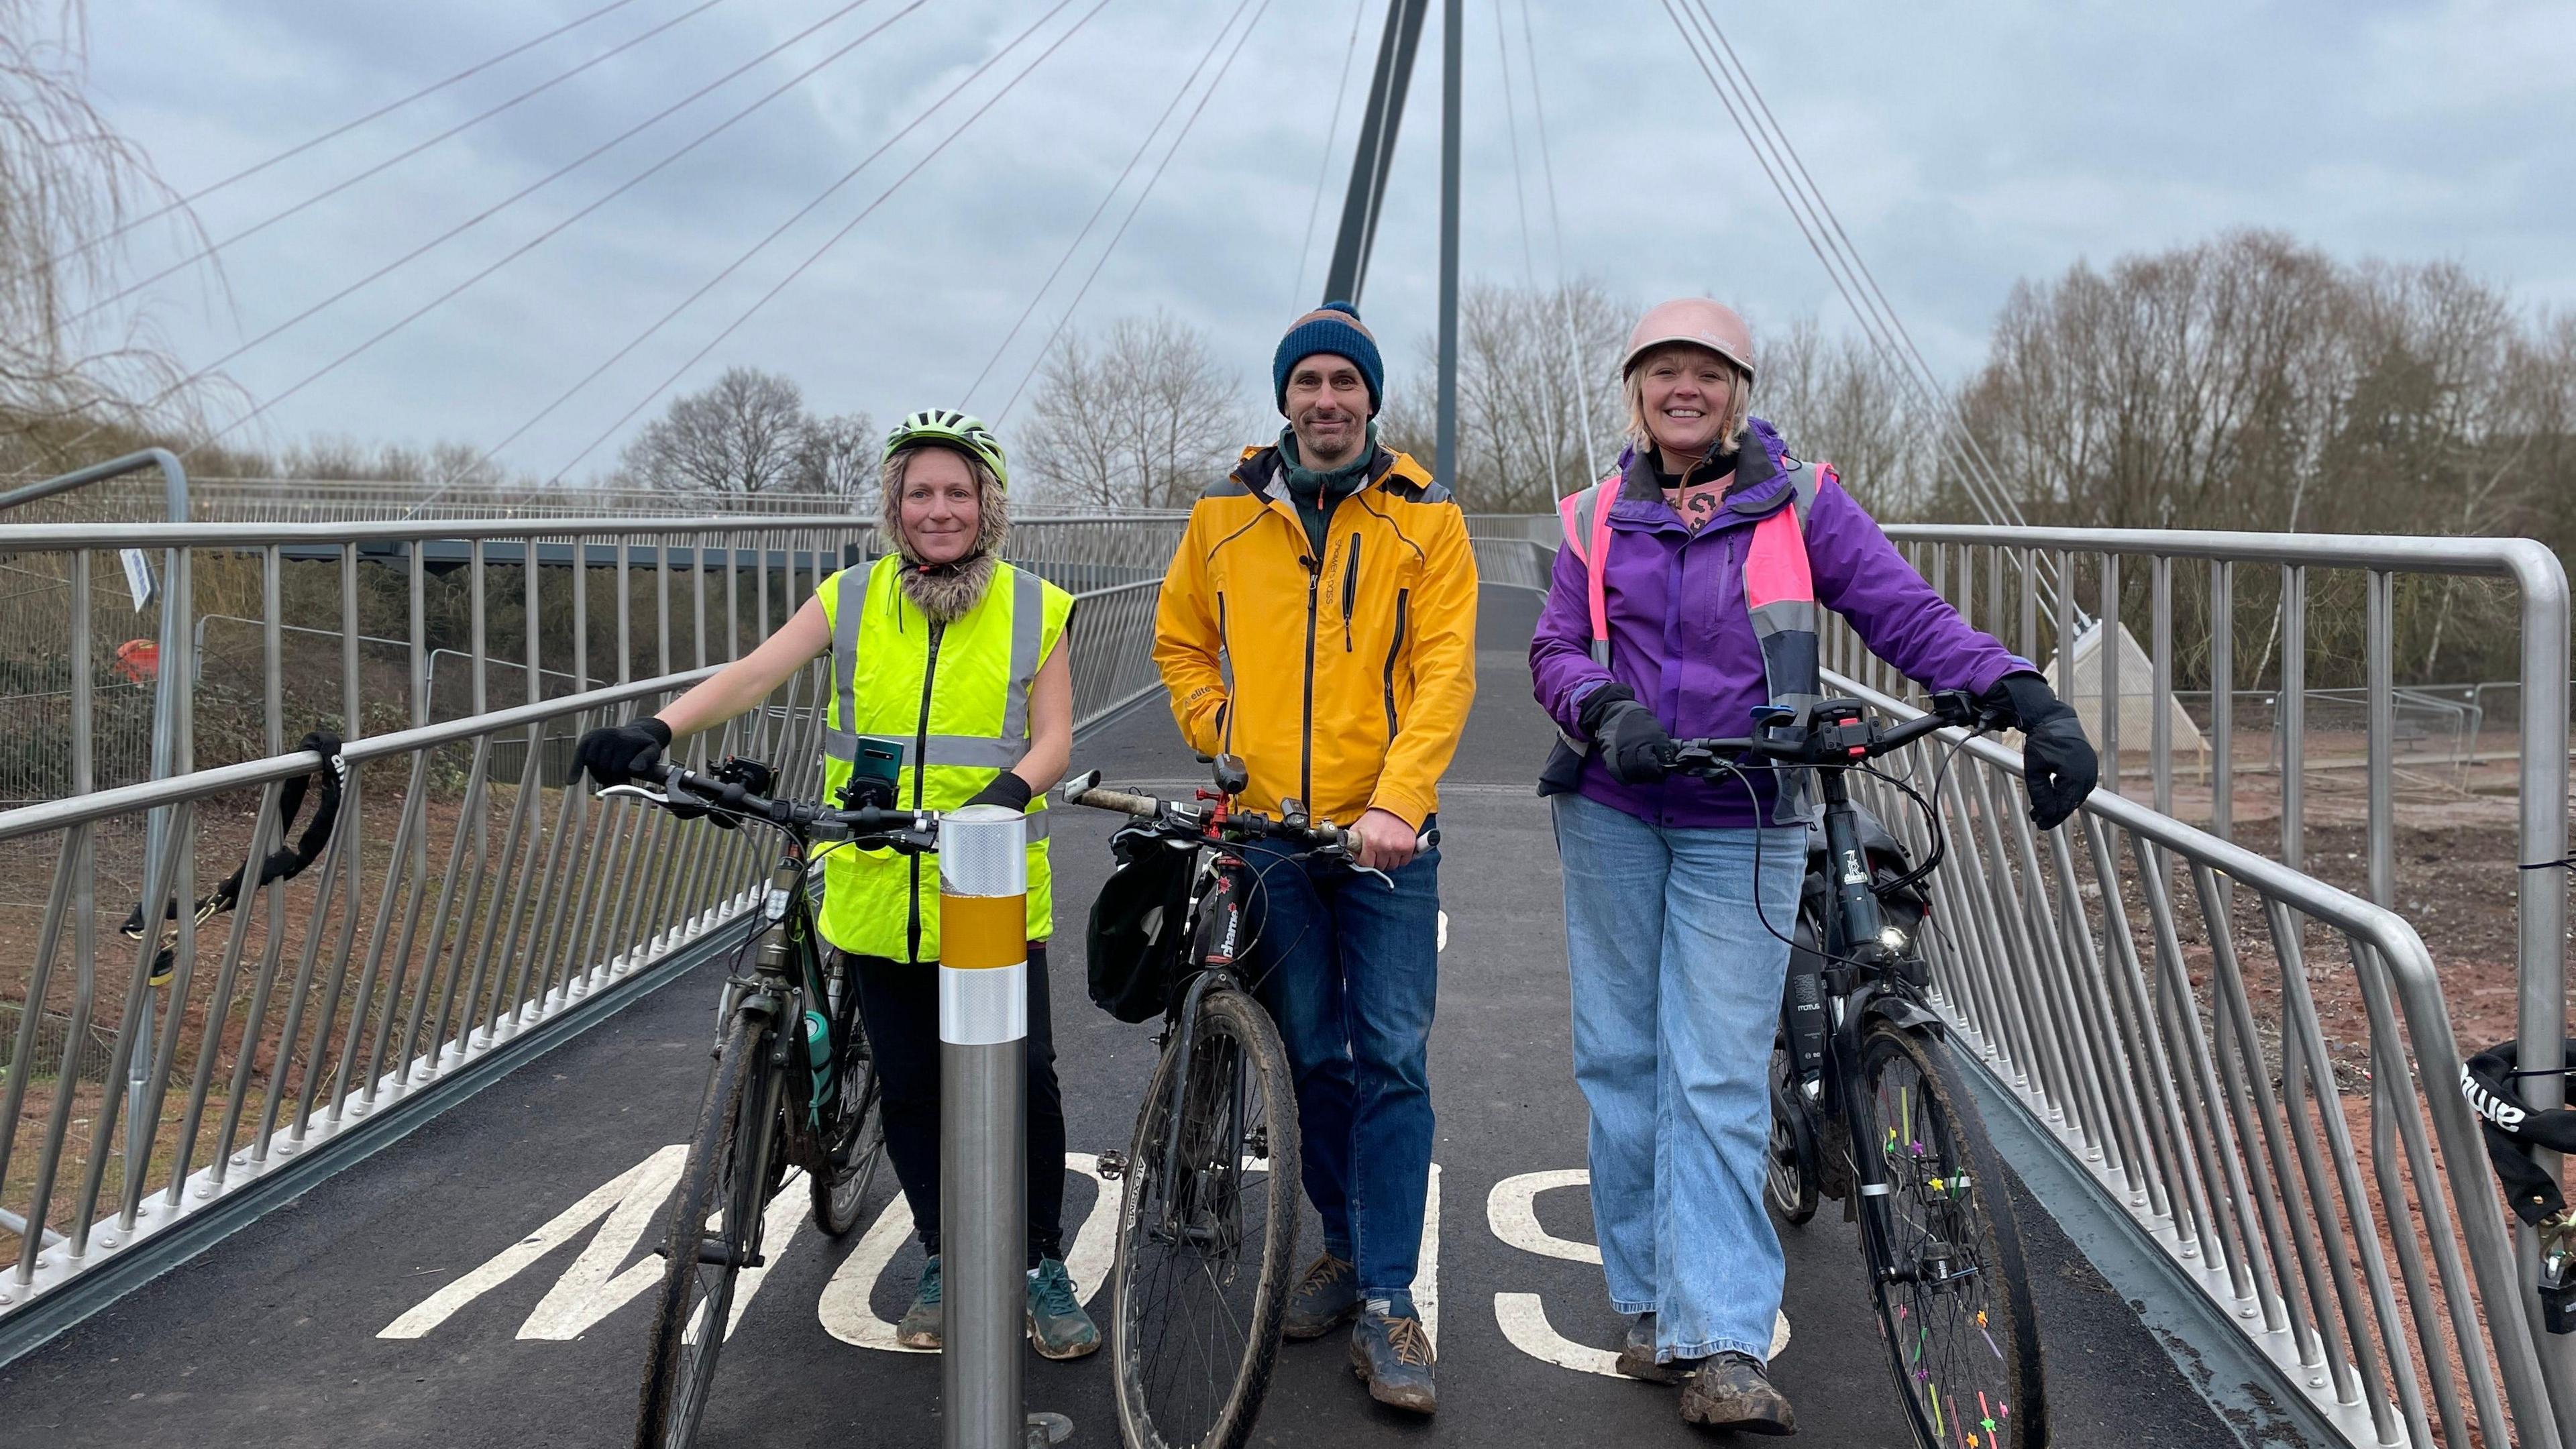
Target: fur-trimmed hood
(946,593)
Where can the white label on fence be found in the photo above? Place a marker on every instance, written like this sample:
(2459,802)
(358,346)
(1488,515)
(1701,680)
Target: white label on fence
(138,577)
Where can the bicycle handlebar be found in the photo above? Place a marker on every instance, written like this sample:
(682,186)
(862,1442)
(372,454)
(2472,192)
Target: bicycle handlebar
(905,830)
(1085,789)
(1839,733)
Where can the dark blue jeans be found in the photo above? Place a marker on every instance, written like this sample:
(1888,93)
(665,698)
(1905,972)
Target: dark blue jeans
(1350,970)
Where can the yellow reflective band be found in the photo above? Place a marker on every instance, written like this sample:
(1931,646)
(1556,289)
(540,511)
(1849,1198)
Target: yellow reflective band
(978,933)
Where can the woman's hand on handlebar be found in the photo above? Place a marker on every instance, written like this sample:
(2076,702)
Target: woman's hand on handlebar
(623,754)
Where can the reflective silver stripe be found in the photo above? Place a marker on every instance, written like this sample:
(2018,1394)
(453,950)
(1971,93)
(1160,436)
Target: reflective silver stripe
(845,659)
(1875,1189)
(1028,631)
(987,1007)
(981,751)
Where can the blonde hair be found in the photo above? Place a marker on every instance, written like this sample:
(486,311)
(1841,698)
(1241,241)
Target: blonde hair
(1739,398)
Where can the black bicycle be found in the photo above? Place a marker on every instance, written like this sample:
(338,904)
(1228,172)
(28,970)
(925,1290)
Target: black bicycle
(793,1086)
(1867,1106)
(1208,1227)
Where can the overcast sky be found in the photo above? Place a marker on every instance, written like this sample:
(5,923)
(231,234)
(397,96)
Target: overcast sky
(1964,146)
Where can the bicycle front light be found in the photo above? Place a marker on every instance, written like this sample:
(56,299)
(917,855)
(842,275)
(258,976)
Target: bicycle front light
(1891,938)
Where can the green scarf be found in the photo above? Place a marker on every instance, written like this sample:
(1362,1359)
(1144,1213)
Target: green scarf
(1315,493)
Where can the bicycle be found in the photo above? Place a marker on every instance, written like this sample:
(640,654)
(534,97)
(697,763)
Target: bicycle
(1193,1336)
(1869,1108)
(794,1085)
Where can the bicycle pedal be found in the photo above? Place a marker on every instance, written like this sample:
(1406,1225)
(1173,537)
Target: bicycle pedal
(1113,1165)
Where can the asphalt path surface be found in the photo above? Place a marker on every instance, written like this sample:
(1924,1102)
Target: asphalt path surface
(279,1336)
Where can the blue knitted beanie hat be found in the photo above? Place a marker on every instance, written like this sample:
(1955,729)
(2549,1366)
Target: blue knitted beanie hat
(1335,328)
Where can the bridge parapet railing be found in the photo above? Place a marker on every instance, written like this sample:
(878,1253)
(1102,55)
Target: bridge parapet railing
(2150,996)
(467,901)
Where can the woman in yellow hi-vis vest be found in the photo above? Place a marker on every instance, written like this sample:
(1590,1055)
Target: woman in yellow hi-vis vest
(961,659)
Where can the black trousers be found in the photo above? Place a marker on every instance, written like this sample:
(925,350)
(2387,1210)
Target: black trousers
(899,1005)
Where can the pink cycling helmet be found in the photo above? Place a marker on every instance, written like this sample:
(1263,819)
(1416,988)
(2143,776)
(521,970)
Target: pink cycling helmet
(1695,320)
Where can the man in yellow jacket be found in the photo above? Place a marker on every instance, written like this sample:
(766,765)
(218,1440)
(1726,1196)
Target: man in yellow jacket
(1319,622)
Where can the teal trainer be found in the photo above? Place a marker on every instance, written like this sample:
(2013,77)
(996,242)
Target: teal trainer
(925,1323)
(1391,1352)
(1323,1300)
(1057,1325)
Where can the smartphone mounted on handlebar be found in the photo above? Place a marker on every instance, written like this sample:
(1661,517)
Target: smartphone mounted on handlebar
(873,776)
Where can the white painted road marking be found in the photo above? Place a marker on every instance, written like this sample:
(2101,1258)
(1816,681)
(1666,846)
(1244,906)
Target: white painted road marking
(847,1315)
(1511,1211)
(649,1180)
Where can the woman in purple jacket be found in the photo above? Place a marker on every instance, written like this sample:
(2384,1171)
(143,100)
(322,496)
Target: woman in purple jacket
(1676,975)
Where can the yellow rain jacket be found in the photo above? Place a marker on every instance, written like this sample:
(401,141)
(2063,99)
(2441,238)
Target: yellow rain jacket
(1344,680)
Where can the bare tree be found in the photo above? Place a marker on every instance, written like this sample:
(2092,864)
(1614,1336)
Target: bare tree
(747,433)
(69,186)
(1835,399)
(838,456)
(1145,417)
(1525,388)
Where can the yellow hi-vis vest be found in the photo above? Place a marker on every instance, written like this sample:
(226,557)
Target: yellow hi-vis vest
(957,697)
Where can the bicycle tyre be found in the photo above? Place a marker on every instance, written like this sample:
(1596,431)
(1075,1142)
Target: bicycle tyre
(1988,1343)
(1236,1048)
(856,1141)
(1790,1173)
(680,1364)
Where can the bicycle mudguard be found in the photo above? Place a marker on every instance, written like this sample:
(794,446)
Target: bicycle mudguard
(1904,1014)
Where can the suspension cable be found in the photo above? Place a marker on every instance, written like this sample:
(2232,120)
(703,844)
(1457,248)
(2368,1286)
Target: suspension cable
(336,188)
(541,237)
(835,238)
(545,235)
(1324,171)
(1512,128)
(1142,146)
(1120,235)
(1796,168)
(1581,389)
(344,128)
(756,248)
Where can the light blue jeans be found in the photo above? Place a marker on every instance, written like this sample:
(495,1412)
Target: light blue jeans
(1676,997)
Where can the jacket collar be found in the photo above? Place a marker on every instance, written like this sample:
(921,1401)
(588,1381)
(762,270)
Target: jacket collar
(1761,479)
(1261,468)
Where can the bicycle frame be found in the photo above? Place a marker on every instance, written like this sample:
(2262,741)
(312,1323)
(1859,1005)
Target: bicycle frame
(787,972)
(1217,914)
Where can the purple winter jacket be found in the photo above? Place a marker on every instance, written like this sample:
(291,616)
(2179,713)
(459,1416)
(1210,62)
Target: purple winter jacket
(1681,638)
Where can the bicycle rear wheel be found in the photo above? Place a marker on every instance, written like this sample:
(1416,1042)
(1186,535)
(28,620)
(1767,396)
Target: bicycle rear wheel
(1947,1277)
(711,1234)
(1790,1175)
(1205,1235)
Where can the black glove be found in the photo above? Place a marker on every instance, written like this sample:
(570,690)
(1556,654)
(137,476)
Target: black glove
(1634,745)
(616,754)
(1007,790)
(2059,768)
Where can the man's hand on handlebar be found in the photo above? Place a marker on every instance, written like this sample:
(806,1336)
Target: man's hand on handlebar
(1380,840)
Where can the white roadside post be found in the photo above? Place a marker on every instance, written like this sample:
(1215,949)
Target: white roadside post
(983,1140)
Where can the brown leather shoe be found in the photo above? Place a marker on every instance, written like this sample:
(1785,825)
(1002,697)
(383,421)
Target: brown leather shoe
(1733,1391)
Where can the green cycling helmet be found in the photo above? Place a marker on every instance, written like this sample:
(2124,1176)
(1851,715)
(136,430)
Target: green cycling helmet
(950,428)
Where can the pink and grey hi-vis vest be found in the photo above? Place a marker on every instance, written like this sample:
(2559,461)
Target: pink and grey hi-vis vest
(1779,593)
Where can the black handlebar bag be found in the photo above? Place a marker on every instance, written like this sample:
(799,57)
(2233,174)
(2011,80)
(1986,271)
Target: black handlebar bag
(1139,925)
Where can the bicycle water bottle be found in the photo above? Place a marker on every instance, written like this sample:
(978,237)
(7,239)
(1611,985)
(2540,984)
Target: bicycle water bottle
(818,1054)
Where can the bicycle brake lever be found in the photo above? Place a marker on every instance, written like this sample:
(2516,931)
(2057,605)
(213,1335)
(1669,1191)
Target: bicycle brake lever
(632,792)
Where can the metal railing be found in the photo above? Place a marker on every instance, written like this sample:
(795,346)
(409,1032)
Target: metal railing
(2144,990)
(466,900)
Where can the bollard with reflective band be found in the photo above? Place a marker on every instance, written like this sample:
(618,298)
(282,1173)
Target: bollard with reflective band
(983,1141)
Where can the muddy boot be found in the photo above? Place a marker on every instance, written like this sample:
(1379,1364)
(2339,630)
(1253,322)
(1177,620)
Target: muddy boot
(1733,1391)
(1324,1299)
(1637,1355)
(1391,1353)
(925,1323)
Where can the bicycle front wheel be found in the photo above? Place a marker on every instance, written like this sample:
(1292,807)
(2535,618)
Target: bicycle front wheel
(853,1139)
(1946,1268)
(1205,1235)
(712,1234)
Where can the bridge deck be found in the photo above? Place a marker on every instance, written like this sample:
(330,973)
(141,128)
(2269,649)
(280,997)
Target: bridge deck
(278,1337)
